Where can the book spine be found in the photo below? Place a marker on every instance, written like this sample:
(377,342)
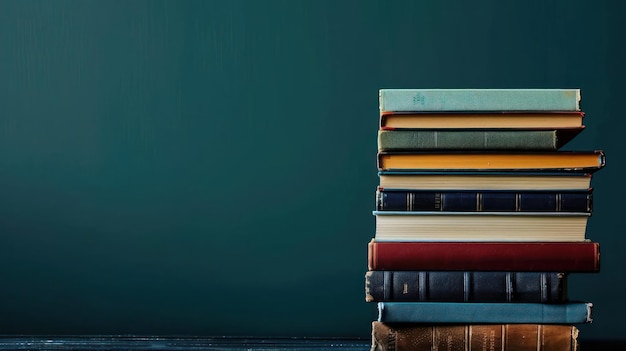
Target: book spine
(503,337)
(495,161)
(425,286)
(401,100)
(477,312)
(485,256)
(478,201)
(396,140)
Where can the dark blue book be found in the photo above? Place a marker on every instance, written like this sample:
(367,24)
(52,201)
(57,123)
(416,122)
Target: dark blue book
(484,201)
(487,312)
(469,286)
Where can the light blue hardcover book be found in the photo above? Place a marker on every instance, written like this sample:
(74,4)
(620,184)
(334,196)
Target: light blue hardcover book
(415,100)
(474,312)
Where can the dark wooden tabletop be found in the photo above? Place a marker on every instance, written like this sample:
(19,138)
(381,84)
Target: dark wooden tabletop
(140,343)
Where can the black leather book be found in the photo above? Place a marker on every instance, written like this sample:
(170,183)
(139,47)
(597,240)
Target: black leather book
(474,286)
(486,201)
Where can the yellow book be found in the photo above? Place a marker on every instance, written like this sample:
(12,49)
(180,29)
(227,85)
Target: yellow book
(567,161)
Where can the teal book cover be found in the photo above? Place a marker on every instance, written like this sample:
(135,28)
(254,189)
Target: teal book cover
(488,312)
(479,99)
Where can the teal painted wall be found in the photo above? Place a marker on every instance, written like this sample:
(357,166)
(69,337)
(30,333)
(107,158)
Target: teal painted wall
(208,167)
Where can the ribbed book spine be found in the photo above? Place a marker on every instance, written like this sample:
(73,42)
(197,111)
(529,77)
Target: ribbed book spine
(518,337)
(470,286)
(470,201)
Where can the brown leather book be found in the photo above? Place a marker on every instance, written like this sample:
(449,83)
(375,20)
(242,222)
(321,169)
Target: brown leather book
(506,337)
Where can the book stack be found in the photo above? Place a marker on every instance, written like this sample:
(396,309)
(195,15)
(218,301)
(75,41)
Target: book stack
(480,219)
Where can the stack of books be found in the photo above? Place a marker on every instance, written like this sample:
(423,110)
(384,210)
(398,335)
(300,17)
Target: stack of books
(480,219)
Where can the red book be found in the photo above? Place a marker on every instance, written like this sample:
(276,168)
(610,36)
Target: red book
(485,256)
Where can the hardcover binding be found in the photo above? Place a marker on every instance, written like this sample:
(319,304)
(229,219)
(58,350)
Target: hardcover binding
(487,164)
(479,100)
(468,286)
(504,337)
(474,139)
(469,201)
(485,256)
(488,312)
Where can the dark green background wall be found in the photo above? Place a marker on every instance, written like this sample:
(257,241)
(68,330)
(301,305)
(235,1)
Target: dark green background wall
(208,167)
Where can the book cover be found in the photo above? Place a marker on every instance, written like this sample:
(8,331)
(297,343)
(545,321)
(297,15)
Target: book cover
(455,139)
(480,226)
(485,180)
(488,312)
(485,256)
(475,120)
(483,201)
(474,337)
(479,99)
(564,161)
(468,286)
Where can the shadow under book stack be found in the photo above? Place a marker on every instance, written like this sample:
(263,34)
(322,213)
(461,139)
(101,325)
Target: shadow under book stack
(480,219)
